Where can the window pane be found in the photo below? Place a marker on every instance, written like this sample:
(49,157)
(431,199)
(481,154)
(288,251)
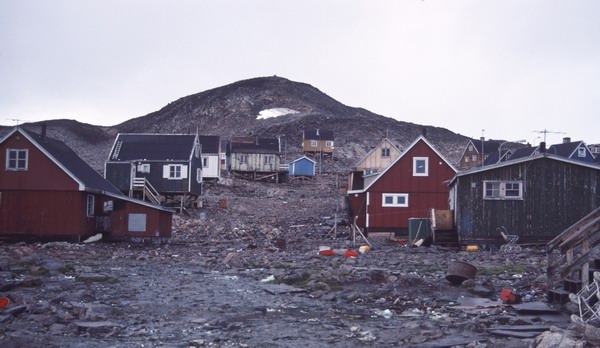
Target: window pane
(389,200)
(400,200)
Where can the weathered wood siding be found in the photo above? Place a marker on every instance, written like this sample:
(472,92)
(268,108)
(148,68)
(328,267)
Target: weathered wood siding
(321,146)
(556,194)
(375,162)
(255,162)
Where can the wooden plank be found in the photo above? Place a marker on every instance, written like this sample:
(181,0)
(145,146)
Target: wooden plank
(573,230)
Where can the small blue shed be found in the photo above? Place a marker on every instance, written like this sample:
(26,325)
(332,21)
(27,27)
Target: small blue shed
(302,166)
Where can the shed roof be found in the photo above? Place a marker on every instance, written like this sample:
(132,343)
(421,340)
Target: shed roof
(152,147)
(210,143)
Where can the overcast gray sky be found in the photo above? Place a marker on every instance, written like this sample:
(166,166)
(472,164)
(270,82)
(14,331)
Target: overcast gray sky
(507,67)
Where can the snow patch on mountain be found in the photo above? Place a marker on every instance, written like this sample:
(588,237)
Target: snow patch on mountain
(268,113)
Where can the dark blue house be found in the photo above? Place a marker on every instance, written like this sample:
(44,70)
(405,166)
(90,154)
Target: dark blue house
(302,166)
(576,150)
(155,166)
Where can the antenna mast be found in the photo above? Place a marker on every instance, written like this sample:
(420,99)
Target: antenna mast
(545,131)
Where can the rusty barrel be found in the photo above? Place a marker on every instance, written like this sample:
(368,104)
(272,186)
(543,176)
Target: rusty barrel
(459,271)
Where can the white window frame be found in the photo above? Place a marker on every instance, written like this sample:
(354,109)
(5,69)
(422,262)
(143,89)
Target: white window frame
(394,197)
(144,168)
(205,161)
(243,159)
(268,159)
(426,163)
(16,160)
(199,175)
(89,208)
(502,190)
(329,143)
(170,169)
(581,152)
(314,143)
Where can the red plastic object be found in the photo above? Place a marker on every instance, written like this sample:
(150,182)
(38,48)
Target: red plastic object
(350,253)
(509,297)
(327,252)
(4,302)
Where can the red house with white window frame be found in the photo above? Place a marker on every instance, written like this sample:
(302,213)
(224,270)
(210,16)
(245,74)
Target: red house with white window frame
(47,191)
(414,183)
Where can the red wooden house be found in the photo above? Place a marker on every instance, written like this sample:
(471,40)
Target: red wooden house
(47,191)
(414,183)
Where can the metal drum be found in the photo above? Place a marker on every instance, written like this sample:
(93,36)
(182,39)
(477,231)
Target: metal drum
(459,271)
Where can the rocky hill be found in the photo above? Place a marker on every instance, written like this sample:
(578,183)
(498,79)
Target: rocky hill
(242,108)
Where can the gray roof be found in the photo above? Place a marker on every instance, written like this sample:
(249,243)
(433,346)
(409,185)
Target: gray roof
(157,147)
(318,134)
(254,145)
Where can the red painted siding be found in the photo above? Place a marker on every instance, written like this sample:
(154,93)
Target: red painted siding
(42,173)
(424,192)
(44,214)
(158,222)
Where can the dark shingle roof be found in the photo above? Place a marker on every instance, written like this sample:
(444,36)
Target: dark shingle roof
(323,134)
(210,143)
(564,149)
(523,152)
(72,163)
(254,145)
(150,147)
(488,145)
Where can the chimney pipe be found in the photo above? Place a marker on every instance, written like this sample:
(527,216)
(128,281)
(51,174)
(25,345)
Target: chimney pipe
(566,140)
(44,126)
(424,131)
(543,147)
(317,131)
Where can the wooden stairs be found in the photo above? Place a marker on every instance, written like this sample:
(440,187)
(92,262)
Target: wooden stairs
(573,272)
(148,191)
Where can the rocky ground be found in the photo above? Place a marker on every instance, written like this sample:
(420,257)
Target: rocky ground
(245,270)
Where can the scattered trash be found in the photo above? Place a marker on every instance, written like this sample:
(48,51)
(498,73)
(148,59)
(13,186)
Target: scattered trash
(93,238)
(459,271)
(327,251)
(364,249)
(268,279)
(386,313)
(510,297)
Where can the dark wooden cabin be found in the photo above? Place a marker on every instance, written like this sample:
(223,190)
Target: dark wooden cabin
(414,183)
(149,164)
(47,191)
(534,197)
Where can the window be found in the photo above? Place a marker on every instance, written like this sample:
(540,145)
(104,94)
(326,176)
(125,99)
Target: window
(385,152)
(581,152)
(89,211)
(16,159)
(268,159)
(144,168)
(329,143)
(502,190)
(136,223)
(394,200)
(474,158)
(313,143)
(204,162)
(199,175)
(471,148)
(466,159)
(243,159)
(420,166)
(175,171)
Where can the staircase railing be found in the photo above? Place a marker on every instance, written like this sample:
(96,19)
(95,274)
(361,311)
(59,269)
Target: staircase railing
(569,252)
(148,191)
